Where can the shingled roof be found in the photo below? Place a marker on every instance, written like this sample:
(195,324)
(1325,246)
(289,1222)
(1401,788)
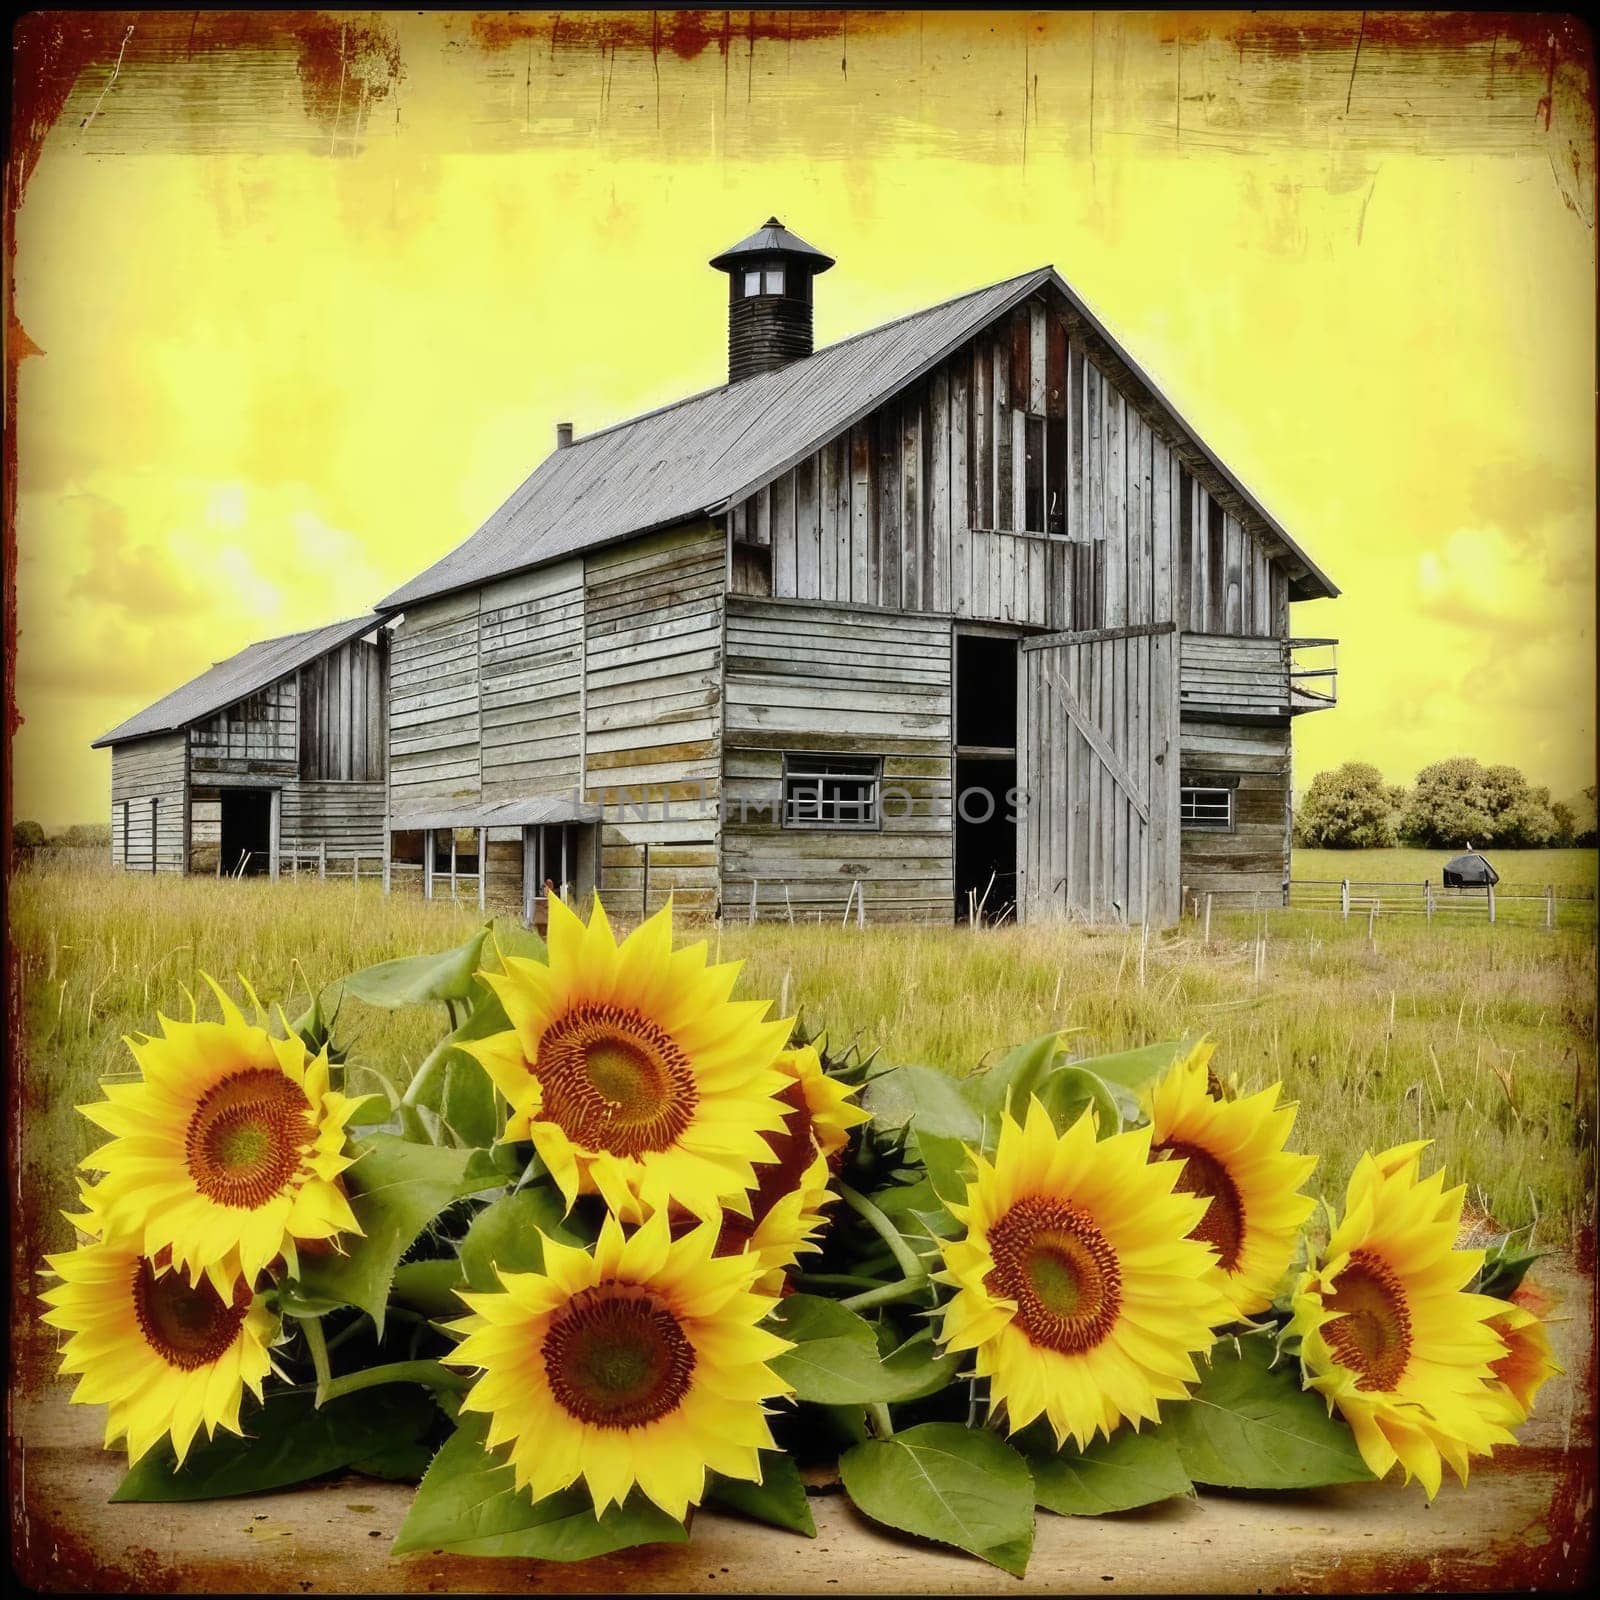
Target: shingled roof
(230,681)
(705,453)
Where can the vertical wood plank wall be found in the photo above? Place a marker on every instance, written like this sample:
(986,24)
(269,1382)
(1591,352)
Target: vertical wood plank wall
(1086,849)
(145,770)
(833,680)
(1018,482)
(652,682)
(341,714)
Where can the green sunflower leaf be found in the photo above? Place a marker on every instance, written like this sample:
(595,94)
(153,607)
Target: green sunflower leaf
(419,980)
(1129,1469)
(961,1486)
(1250,1425)
(506,1234)
(468,1504)
(778,1500)
(286,1441)
(396,1189)
(835,1360)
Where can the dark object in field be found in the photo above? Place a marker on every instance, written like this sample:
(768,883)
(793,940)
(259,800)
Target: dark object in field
(1469,872)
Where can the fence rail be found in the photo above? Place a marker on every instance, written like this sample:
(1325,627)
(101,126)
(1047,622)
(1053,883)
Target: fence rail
(1547,905)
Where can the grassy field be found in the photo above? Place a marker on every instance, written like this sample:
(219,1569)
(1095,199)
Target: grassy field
(1480,1039)
(1519,869)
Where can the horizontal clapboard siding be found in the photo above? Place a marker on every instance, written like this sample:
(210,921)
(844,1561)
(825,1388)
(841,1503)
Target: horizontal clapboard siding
(830,679)
(347,818)
(652,642)
(1224,676)
(148,800)
(435,736)
(531,676)
(1249,865)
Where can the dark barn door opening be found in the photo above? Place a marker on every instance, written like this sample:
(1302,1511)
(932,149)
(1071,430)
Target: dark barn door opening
(985,804)
(246,831)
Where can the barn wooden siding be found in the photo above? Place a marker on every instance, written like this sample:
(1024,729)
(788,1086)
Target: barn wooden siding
(1028,479)
(1225,676)
(1098,762)
(484,693)
(257,736)
(148,799)
(652,755)
(836,680)
(1250,863)
(341,715)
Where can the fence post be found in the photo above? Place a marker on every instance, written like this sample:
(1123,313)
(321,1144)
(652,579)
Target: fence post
(1344,897)
(1491,905)
(1427,897)
(322,859)
(1549,905)
(754,885)
(1372,924)
(452,866)
(861,907)
(1206,936)
(483,867)
(355,866)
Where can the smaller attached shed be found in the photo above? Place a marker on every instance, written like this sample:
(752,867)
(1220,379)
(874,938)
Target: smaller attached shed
(271,761)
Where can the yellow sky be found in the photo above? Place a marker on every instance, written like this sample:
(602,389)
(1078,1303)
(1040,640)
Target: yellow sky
(299,342)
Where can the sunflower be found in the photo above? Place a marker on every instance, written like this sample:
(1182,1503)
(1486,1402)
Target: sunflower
(639,1364)
(1389,1333)
(1528,1364)
(226,1151)
(1233,1156)
(1078,1284)
(781,1214)
(632,1071)
(163,1351)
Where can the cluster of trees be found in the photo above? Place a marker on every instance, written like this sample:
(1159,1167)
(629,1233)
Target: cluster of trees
(80,836)
(1453,804)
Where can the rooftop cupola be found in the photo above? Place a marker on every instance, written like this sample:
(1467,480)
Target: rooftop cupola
(769,299)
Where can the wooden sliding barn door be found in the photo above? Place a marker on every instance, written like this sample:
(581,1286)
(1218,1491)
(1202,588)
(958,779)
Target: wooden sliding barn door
(1098,770)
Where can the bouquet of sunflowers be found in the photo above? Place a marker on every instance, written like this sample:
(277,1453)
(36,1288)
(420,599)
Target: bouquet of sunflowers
(624,1246)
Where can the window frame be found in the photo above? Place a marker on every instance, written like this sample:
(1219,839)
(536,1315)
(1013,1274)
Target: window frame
(868,769)
(1190,822)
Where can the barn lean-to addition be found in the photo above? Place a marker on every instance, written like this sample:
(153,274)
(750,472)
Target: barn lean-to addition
(271,760)
(795,645)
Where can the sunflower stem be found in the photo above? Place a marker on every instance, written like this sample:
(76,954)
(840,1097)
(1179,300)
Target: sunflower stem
(885,1293)
(881,1425)
(429,1373)
(318,1346)
(903,1254)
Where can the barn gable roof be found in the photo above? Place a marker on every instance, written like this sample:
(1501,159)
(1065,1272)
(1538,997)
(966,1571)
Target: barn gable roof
(230,681)
(705,453)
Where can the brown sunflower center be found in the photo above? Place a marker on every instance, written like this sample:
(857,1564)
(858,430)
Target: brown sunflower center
(1222,1226)
(616,1357)
(187,1325)
(613,1080)
(1372,1336)
(246,1137)
(1053,1260)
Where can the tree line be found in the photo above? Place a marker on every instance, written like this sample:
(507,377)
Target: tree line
(1451,805)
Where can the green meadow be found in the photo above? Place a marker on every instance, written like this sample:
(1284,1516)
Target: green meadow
(1481,1039)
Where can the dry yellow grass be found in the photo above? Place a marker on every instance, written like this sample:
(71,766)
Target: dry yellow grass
(1480,1039)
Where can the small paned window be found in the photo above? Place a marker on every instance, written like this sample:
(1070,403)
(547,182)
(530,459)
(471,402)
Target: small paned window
(832,791)
(1206,809)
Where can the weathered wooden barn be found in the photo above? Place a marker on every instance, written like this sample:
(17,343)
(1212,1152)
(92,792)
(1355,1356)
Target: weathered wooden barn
(954,616)
(271,761)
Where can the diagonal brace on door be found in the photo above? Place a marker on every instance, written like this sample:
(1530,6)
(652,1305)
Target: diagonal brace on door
(1090,729)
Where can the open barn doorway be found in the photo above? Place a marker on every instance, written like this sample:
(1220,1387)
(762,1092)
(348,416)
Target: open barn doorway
(246,832)
(984,804)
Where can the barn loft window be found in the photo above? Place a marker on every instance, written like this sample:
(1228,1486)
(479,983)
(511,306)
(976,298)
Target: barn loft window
(1206,809)
(1033,480)
(831,791)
